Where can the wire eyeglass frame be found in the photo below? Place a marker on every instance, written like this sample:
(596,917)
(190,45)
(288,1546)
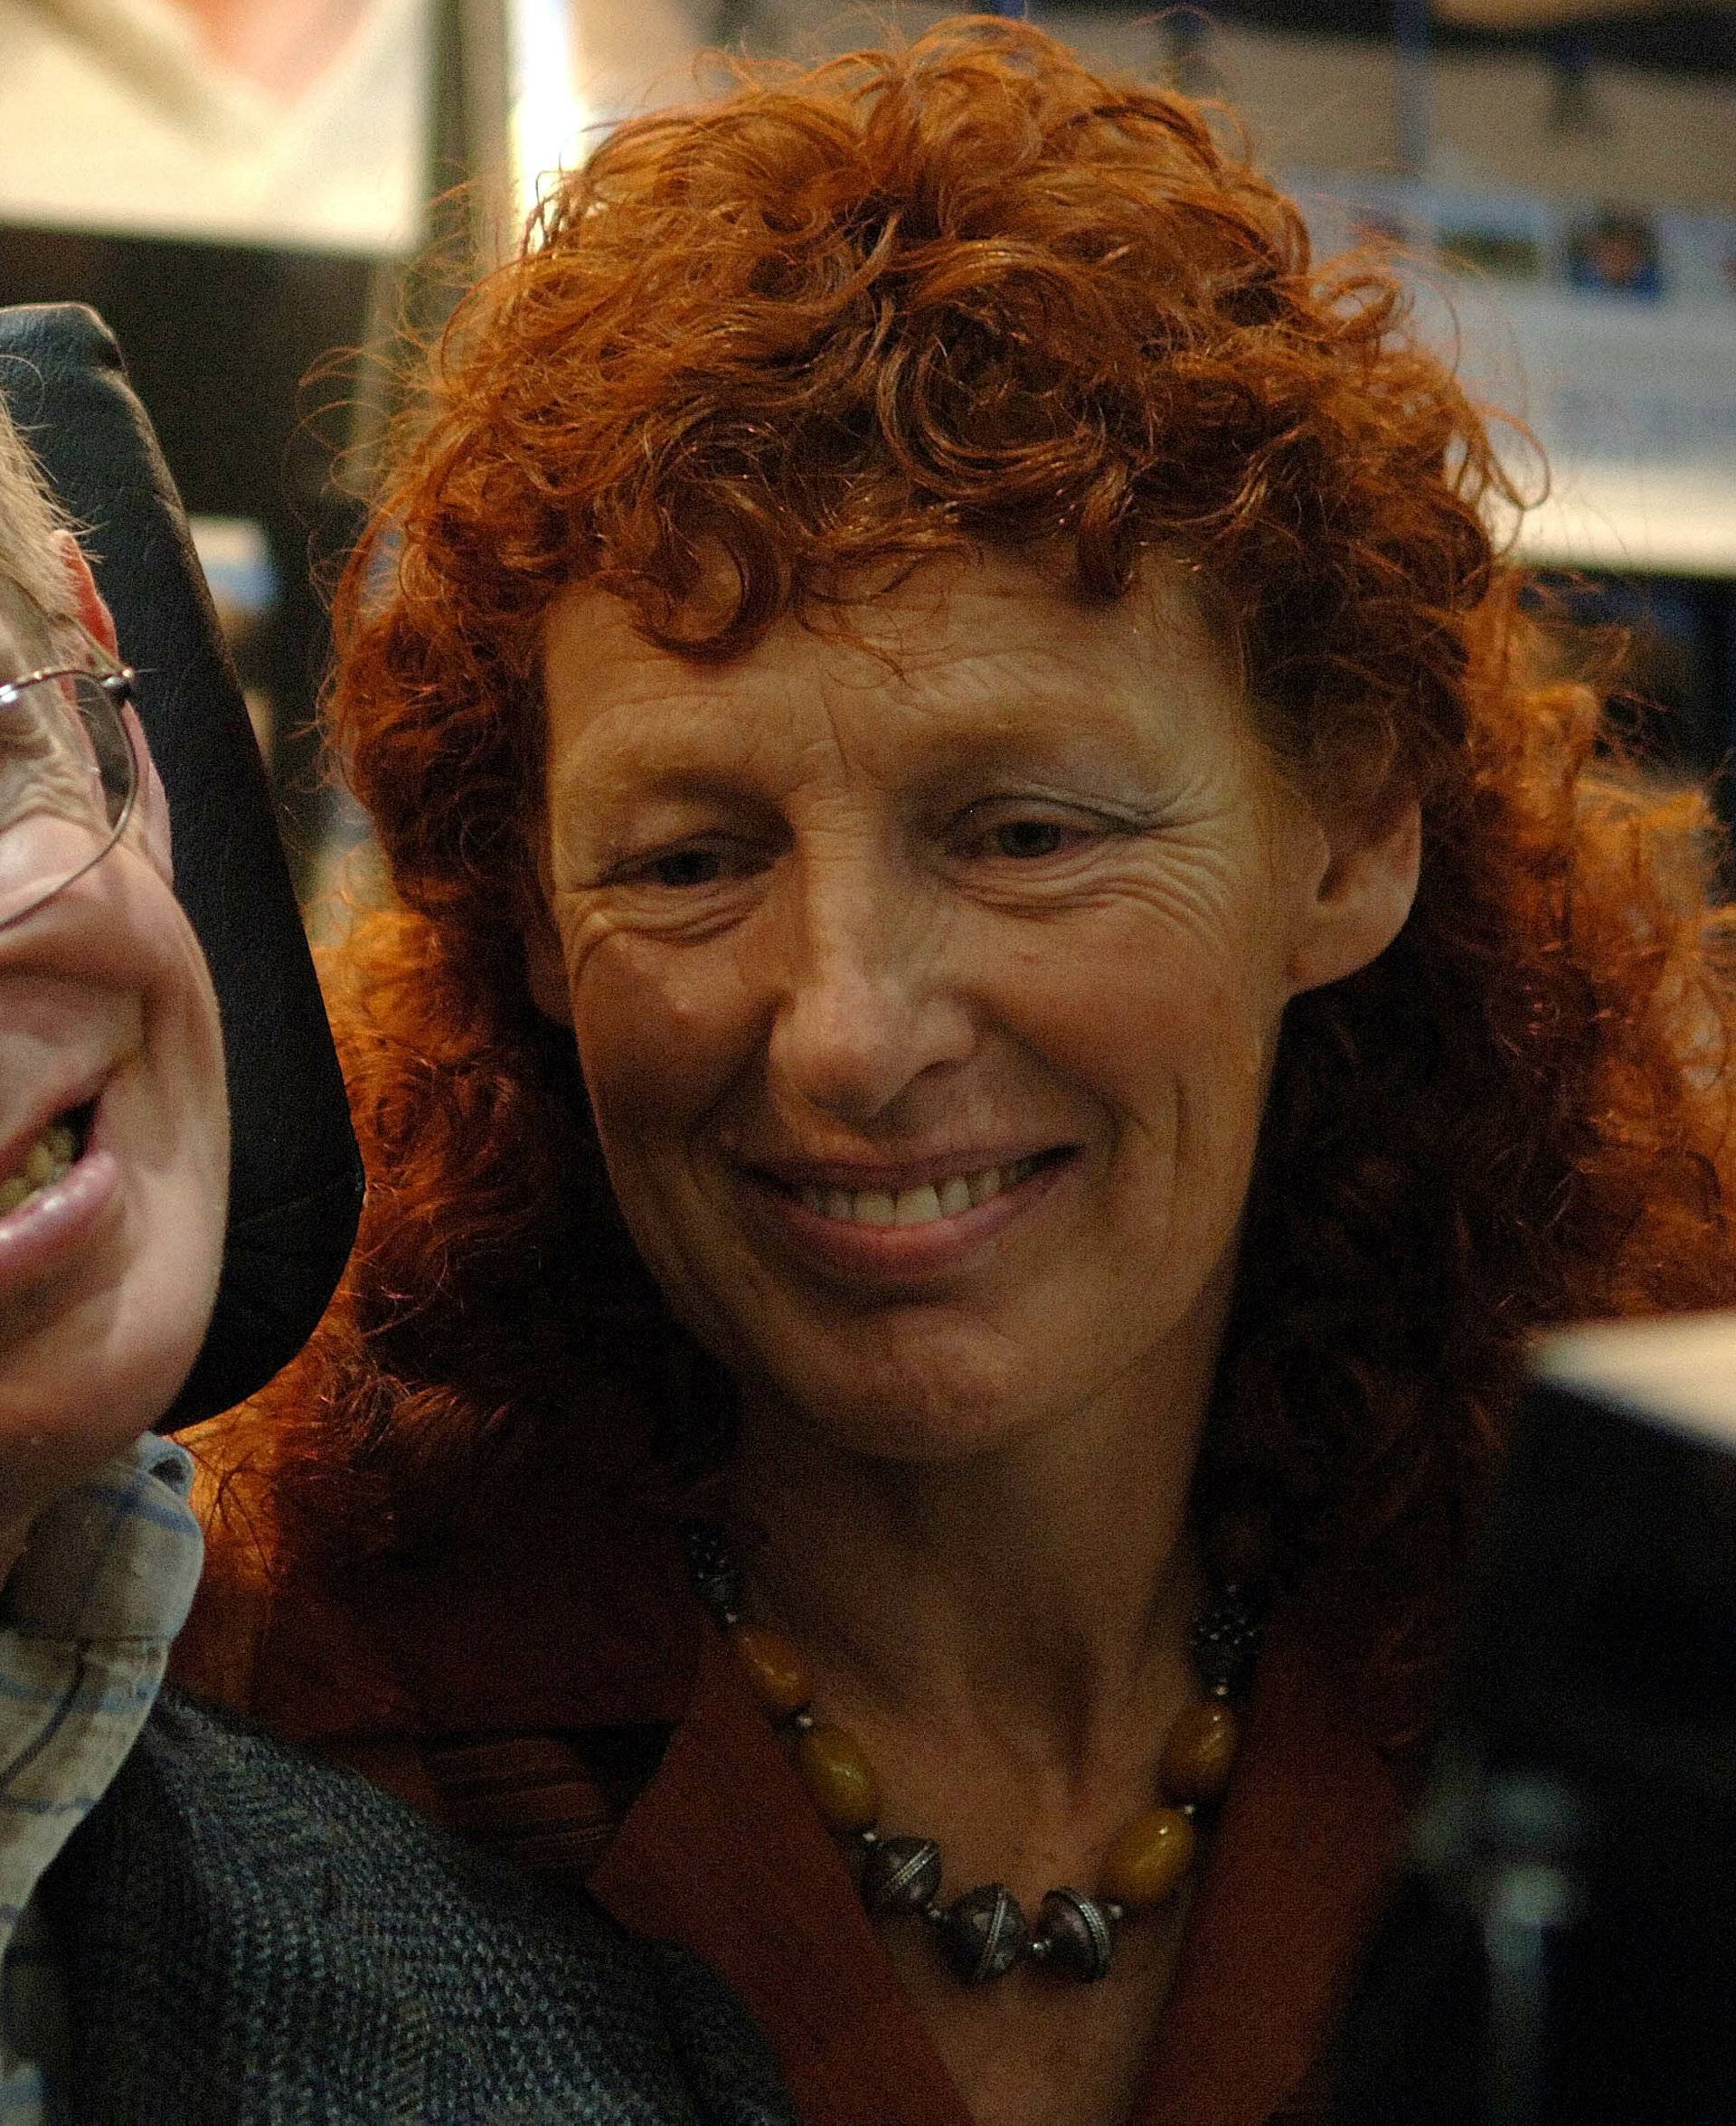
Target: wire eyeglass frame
(116,688)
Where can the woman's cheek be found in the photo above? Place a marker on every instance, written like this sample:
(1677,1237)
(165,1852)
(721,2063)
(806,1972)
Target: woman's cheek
(657,1041)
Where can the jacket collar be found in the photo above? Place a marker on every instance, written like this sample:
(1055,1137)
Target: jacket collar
(586,1620)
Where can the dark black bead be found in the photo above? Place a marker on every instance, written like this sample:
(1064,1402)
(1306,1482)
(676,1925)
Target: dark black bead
(900,1874)
(1226,1645)
(984,1933)
(1081,1939)
(716,1575)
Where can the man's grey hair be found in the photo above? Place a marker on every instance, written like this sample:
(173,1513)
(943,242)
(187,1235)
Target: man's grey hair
(37,602)
(41,769)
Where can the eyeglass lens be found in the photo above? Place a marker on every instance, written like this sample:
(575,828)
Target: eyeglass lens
(67,780)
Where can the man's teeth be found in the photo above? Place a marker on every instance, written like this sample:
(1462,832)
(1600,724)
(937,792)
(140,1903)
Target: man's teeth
(917,1207)
(51,1158)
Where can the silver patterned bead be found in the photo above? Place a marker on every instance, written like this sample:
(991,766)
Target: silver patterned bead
(984,1933)
(900,1874)
(1080,1939)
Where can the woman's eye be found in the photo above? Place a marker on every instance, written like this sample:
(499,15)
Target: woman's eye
(684,867)
(1020,838)
(688,866)
(1026,838)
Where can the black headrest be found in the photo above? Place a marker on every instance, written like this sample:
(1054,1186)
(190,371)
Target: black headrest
(296,1177)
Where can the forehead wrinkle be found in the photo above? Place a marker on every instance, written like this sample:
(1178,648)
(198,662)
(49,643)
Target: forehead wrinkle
(881,736)
(963,664)
(1016,707)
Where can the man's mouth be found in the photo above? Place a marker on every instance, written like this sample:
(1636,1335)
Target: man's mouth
(56,1151)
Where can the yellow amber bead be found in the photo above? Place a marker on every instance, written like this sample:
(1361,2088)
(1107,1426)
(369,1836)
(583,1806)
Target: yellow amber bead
(840,1779)
(1149,1859)
(777,1671)
(1201,1752)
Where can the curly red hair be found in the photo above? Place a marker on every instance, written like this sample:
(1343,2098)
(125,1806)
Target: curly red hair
(972,295)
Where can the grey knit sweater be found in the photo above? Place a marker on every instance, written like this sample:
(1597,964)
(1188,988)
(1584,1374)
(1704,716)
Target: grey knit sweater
(251,1937)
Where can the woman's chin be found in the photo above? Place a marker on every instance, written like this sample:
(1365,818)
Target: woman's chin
(882,1413)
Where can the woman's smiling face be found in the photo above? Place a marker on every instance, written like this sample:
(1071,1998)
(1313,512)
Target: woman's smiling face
(927,985)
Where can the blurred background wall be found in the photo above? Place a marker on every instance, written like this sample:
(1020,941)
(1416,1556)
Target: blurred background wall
(243,187)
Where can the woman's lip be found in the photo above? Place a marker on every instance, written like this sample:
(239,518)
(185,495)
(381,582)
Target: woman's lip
(894,1179)
(897,1253)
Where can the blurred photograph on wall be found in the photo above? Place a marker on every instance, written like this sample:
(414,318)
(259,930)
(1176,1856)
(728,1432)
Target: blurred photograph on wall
(296,122)
(1505,240)
(1615,251)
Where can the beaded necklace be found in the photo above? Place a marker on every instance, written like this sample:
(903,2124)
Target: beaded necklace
(983,1934)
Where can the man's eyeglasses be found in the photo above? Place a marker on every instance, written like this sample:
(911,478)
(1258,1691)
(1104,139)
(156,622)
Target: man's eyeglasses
(67,763)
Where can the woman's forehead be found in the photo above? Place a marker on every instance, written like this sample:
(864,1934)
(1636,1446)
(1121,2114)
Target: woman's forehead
(969,653)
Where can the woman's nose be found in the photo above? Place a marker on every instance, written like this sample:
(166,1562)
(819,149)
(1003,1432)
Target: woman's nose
(869,996)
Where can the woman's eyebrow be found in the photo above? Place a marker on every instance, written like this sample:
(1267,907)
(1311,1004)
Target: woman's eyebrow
(604,790)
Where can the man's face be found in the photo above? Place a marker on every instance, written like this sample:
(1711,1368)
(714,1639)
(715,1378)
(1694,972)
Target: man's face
(114,1142)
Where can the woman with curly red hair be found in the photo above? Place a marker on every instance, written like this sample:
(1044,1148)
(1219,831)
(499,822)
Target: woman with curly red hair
(1006,994)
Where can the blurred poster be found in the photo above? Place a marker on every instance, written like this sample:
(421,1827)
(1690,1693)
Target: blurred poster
(1502,238)
(277,122)
(1609,328)
(1615,250)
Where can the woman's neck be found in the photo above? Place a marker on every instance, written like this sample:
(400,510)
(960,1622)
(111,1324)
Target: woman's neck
(1043,1589)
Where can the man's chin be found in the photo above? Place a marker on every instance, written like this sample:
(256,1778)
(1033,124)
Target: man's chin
(93,1368)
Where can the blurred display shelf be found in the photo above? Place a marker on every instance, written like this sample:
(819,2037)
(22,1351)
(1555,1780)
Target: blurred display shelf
(1606,332)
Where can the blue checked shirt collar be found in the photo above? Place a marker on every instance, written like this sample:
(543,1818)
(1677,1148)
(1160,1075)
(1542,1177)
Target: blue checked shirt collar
(86,1622)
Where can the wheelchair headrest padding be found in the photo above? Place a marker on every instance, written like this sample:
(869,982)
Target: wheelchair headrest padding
(296,1178)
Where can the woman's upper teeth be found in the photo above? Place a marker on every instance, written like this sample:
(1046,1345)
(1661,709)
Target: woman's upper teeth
(49,1158)
(916,1206)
